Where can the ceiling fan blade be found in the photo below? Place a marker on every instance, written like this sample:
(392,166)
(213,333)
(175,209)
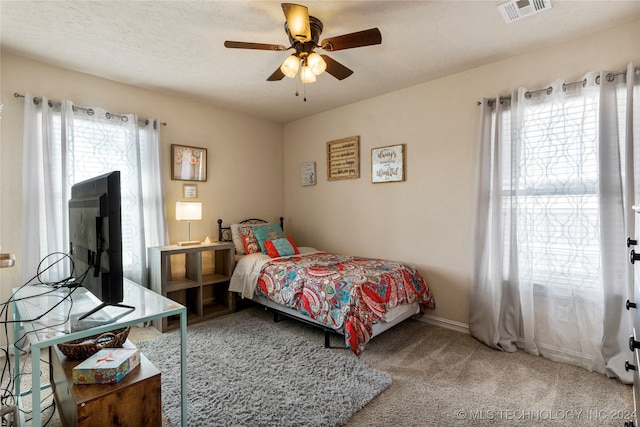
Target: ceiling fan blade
(336,69)
(277,75)
(297,21)
(348,41)
(259,46)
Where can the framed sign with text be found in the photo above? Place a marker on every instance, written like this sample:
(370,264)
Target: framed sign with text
(189,191)
(388,163)
(343,158)
(308,174)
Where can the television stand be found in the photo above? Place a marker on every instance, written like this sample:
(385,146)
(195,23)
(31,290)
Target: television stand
(103,305)
(29,302)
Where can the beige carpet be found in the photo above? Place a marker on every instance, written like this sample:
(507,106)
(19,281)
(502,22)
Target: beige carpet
(446,378)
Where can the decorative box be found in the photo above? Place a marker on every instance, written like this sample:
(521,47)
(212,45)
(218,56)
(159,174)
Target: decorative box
(107,366)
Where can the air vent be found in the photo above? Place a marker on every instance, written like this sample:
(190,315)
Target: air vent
(518,9)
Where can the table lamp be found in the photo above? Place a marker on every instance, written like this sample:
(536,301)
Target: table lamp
(189,211)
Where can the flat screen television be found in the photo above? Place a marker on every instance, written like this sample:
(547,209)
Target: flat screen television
(95,237)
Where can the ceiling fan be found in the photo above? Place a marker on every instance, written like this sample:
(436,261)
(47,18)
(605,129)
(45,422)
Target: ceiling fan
(304,33)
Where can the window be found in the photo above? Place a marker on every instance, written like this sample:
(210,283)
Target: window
(557,193)
(66,145)
(99,146)
(555,190)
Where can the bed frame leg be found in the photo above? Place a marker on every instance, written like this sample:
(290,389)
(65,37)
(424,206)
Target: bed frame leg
(277,317)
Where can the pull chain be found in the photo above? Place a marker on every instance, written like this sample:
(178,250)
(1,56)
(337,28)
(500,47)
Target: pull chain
(304,91)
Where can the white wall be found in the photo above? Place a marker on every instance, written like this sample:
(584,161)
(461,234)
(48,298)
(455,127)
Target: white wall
(245,167)
(426,221)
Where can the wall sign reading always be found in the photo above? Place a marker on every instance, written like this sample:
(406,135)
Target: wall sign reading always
(388,163)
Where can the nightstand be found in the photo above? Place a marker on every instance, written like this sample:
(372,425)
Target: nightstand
(196,277)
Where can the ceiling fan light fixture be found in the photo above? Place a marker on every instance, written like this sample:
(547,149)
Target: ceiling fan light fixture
(298,21)
(290,66)
(316,63)
(303,31)
(306,75)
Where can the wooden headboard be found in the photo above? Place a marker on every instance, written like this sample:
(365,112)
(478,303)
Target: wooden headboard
(224,233)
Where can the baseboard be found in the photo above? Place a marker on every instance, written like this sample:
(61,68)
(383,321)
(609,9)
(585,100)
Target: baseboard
(445,323)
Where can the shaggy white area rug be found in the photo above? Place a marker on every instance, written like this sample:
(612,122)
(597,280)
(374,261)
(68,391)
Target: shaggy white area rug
(244,371)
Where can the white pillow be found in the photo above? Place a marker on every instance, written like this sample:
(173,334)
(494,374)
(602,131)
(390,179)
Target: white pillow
(237,239)
(236,235)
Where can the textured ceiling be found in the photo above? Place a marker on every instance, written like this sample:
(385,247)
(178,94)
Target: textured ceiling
(177,46)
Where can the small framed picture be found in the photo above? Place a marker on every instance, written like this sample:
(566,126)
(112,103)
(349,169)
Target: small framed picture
(188,163)
(189,191)
(308,174)
(388,163)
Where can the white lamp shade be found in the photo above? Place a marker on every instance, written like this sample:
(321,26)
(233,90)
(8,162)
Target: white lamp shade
(316,63)
(306,75)
(290,66)
(188,211)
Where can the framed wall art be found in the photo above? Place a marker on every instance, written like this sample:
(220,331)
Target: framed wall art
(189,191)
(188,163)
(308,174)
(343,158)
(388,164)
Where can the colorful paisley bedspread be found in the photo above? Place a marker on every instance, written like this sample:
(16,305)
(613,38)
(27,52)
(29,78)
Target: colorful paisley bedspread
(346,293)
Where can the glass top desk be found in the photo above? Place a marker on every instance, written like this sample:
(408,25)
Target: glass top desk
(45,327)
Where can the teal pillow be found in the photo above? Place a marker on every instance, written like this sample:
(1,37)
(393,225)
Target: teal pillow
(267,232)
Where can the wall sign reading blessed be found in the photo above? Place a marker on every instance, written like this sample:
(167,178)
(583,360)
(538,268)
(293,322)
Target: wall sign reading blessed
(388,163)
(343,158)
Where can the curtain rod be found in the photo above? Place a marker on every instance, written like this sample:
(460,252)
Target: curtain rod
(89,111)
(549,90)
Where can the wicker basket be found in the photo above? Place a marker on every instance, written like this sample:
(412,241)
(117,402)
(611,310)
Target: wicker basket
(85,347)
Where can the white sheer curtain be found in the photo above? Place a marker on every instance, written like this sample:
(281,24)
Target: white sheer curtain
(64,145)
(555,191)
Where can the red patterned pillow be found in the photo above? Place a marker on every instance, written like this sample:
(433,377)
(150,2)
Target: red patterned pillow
(280,247)
(249,240)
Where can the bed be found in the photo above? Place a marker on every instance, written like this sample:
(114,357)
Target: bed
(356,297)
